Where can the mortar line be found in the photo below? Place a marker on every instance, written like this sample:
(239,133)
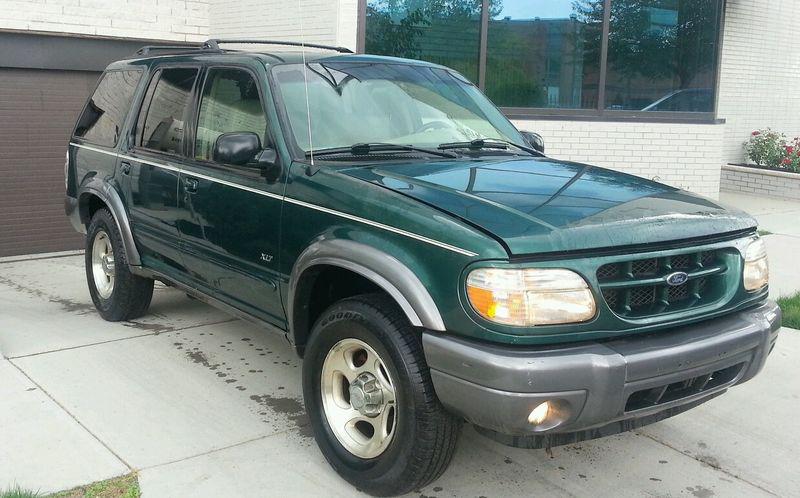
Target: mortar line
(715,467)
(68,348)
(73,417)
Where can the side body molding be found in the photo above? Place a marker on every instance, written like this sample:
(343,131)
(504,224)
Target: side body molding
(386,271)
(109,195)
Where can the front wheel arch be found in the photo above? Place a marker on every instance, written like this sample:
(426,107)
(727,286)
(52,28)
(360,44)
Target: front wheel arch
(375,271)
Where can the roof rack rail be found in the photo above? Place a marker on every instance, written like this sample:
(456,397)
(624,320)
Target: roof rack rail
(213,44)
(151,48)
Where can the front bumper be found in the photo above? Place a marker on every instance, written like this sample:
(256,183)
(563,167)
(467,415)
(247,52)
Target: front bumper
(600,387)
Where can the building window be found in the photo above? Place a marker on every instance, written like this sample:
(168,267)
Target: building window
(539,54)
(585,58)
(661,55)
(447,33)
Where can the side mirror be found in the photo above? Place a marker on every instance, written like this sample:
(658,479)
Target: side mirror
(237,148)
(535,140)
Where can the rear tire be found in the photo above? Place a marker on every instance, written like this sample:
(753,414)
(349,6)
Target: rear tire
(419,434)
(117,293)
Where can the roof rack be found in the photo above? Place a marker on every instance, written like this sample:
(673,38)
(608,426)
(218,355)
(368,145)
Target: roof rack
(152,48)
(213,44)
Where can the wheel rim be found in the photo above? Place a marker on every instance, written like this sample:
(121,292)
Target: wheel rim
(103,264)
(358,398)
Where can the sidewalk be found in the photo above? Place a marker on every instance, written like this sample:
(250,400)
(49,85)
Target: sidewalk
(782,219)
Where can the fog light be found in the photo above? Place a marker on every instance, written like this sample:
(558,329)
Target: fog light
(539,414)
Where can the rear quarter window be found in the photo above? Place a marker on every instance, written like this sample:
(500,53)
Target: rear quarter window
(104,115)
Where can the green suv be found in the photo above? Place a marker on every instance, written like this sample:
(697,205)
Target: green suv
(425,258)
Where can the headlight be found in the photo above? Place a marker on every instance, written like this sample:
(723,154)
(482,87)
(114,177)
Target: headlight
(756,267)
(532,296)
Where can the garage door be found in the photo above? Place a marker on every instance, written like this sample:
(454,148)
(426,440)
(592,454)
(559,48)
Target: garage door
(38,109)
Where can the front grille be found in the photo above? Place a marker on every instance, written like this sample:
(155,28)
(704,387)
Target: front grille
(674,391)
(639,288)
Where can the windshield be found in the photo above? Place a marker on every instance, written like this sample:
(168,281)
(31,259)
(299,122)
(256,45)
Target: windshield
(378,102)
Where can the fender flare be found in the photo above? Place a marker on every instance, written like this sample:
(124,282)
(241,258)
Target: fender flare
(384,270)
(109,195)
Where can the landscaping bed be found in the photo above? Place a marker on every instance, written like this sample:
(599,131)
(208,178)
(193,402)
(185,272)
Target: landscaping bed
(760,181)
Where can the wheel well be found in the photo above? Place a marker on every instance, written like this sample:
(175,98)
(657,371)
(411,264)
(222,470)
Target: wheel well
(319,287)
(90,204)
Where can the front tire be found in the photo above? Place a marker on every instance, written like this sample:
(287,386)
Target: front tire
(117,293)
(369,395)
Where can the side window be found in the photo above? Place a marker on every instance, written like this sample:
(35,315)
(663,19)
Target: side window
(163,128)
(230,103)
(102,119)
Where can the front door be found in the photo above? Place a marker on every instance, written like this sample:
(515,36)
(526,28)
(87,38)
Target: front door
(153,165)
(231,231)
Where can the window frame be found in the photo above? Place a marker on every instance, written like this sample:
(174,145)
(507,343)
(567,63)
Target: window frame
(137,129)
(195,117)
(133,104)
(600,113)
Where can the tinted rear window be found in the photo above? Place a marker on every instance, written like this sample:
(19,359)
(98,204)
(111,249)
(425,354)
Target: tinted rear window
(104,115)
(164,128)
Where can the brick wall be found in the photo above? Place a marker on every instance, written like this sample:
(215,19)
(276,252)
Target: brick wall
(324,21)
(760,182)
(681,155)
(182,20)
(760,71)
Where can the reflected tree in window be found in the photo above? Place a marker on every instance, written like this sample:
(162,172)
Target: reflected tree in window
(656,48)
(445,32)
(538,56)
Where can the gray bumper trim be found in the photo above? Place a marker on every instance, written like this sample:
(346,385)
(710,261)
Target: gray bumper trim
(496,387)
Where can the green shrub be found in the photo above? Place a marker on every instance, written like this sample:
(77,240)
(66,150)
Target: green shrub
(772,149)
(766,148)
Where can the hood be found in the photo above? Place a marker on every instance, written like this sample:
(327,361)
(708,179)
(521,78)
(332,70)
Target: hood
(537,205)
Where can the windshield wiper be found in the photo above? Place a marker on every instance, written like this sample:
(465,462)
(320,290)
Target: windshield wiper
(364,149)
(488,143)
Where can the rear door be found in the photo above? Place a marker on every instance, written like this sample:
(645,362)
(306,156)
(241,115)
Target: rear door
(231,237)
(153,167)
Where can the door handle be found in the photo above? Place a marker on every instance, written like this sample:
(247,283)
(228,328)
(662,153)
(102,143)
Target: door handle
(190,185)
(126,167)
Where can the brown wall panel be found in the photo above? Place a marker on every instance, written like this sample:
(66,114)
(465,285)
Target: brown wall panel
(38,109)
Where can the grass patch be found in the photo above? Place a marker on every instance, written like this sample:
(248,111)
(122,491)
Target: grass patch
(119,487)
(791,310)
(17,492)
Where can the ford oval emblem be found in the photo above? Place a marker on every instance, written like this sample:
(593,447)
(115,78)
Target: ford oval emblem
(677,278)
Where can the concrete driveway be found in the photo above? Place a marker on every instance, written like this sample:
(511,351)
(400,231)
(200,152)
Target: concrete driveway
(200,404)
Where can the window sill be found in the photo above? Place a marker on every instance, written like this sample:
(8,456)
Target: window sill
(611,116)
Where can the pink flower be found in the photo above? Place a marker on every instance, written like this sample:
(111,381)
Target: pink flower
(756,133)
(787,161)
(789,149)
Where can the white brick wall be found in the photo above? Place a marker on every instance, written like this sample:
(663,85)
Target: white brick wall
(681,155)
(324,21)
(182,20)
(760,71)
